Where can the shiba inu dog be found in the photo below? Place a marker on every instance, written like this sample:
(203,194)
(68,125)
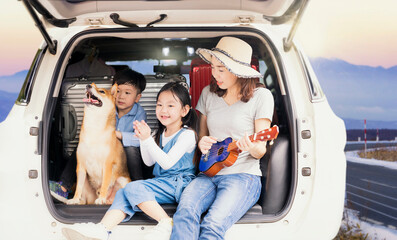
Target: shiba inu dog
(101,161)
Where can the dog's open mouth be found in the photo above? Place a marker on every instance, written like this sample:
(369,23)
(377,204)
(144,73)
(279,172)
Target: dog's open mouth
(91,99)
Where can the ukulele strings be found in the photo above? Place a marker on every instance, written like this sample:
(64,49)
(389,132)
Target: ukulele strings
(212,152)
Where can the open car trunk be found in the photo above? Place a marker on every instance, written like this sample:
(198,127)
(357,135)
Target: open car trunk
(160,59)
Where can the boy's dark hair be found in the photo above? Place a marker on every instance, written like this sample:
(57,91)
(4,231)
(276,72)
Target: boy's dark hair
(131,77)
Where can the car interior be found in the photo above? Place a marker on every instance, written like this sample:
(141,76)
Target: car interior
(161,60)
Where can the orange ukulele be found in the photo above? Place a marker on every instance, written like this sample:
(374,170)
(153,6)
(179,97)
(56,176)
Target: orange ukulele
(224,154)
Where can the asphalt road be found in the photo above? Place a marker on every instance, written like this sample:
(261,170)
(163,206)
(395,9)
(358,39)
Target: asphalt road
(372,190)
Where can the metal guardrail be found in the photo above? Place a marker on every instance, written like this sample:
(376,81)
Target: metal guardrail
(352,146)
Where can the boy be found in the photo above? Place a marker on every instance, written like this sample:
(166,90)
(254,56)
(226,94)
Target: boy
(130,87)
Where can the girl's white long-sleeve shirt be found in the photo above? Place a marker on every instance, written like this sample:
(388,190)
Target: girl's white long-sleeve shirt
(152,153)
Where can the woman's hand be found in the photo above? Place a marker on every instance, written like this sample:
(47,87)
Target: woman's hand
(244,143)
(205,143)
(256,149)
(142,130)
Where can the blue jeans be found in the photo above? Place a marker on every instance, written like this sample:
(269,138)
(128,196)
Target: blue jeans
(226,197)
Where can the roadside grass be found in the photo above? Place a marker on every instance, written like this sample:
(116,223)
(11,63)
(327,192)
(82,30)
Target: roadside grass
(385,154)
(351,232)
(350,228)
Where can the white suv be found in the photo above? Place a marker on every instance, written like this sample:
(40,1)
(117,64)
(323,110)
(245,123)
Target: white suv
(303,173)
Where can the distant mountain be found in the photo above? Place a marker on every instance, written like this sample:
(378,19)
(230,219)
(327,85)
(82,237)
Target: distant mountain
(358,92)
(13,83)
(348,70)
(371,124)
(6,102)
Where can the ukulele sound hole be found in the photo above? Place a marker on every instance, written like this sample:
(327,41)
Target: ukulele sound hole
(220,151)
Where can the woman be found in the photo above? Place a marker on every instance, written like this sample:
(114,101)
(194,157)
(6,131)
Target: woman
(232,106)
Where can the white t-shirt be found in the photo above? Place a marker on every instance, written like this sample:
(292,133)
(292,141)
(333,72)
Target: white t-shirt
(234,121)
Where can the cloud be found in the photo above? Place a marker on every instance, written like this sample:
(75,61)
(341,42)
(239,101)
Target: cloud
(371,110)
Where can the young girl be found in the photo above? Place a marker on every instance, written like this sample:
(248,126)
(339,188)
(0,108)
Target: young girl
(232,106)
(171,152)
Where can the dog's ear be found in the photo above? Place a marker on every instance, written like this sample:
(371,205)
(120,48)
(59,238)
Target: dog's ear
(113,90)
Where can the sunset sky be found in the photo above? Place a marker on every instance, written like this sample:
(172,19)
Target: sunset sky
(360,32)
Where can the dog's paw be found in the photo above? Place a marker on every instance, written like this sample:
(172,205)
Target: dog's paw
(73,201)
(100,201)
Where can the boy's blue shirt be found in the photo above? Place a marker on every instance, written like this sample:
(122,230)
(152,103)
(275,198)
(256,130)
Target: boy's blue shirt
(125,125)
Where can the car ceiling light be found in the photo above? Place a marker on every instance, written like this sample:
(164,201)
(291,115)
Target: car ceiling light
(166,51)
(190,51)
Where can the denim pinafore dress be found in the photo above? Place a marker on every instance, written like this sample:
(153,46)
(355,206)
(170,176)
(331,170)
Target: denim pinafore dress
(182,172)
(166,187)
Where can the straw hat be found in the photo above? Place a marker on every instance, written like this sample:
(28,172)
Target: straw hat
(234,54)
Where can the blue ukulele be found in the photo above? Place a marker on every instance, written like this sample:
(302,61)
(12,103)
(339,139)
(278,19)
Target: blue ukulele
(224,154)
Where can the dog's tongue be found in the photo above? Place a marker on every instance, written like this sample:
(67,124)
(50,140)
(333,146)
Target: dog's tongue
(90,100)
